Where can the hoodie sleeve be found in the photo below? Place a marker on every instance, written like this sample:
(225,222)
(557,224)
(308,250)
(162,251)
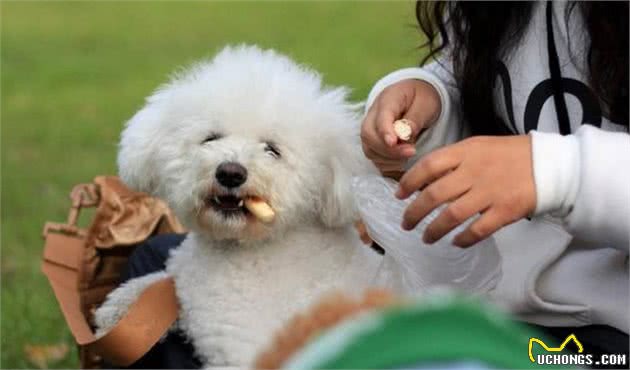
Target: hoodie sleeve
(587,183)
(448,128)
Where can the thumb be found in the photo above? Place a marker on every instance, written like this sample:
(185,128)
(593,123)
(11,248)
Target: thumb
(417,119)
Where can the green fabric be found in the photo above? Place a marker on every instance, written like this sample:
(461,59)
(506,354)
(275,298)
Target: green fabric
(438,330)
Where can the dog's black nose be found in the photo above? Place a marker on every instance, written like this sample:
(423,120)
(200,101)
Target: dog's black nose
(231,174)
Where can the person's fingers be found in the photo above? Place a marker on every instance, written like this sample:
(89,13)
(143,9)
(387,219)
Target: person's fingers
(423,109)
(363,234)
(486,225)
(373,144)
(392,104)
(385,125)
(396,175)
(455,214)
(445,189)
(392,168)
(371,139)
(393,172)
(368,152)
(400,152)
(415,117)
(389,166)
(381,161)
(427,169)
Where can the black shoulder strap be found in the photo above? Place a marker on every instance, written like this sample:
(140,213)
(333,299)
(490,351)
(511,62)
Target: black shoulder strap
(556,76)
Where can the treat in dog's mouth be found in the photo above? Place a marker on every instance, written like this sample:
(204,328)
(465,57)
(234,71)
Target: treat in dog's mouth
(261,209)
(233,205)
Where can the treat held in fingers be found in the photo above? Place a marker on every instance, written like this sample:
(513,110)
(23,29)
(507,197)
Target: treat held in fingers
(402,128)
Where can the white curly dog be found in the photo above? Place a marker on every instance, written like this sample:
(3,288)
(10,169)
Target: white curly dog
(249,123)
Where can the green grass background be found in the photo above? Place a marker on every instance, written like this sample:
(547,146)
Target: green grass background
(73,72)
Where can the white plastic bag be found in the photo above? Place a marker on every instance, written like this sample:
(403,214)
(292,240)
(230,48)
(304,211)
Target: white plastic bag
(410,266)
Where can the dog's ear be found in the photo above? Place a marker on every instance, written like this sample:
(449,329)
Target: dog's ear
(337,207)
(137,162)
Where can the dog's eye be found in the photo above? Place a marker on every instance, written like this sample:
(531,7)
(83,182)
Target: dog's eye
(213,136)
(272,149)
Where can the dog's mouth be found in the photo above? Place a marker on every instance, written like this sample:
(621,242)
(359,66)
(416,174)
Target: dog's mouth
(239,204)
(231,205)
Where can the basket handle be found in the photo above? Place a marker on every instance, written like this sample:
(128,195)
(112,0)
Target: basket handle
(82,195)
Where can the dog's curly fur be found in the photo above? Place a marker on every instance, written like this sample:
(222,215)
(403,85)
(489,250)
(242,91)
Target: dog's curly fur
(238,279)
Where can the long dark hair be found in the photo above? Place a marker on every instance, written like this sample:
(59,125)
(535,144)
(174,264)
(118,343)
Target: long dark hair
(482,33)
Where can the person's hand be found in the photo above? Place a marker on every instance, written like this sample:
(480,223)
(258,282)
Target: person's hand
(488,175)
(412,99)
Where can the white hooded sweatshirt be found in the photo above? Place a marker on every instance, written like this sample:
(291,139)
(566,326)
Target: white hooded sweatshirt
(569,265)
